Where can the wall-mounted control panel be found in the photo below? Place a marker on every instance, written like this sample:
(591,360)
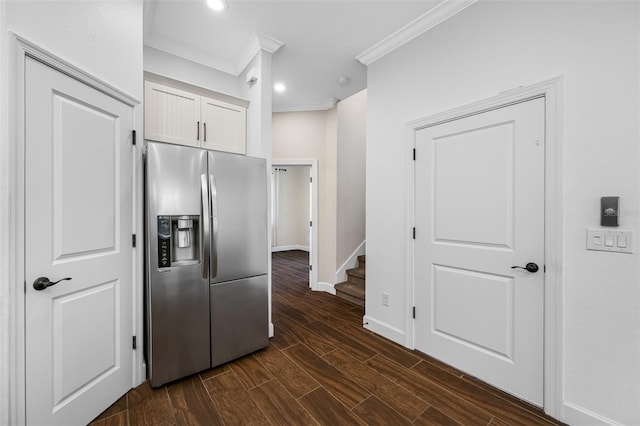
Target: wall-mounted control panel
(609,211)
(606,240)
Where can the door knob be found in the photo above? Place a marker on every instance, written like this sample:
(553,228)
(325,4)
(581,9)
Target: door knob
(43,282)
(531,267)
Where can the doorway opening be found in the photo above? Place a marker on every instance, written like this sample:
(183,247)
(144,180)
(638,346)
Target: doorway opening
(294,211)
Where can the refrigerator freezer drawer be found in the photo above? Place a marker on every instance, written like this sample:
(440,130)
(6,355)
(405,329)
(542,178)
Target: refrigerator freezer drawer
(239,318)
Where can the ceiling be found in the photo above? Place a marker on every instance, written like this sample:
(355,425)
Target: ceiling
(320,40)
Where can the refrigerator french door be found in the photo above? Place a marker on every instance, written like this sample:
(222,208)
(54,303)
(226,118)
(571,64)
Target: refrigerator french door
(206,284)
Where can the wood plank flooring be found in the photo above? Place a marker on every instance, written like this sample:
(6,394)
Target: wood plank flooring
(322,367)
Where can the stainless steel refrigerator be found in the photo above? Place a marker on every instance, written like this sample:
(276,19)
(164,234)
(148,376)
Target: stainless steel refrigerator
(206,295)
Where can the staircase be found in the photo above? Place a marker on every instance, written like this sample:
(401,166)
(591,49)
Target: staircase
(352,290)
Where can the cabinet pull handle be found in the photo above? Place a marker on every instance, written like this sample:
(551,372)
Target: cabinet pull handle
(198,131)
(205,131)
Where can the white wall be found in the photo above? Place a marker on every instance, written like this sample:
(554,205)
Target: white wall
(168,65)
(104,38)
(312,136)
(292,223)
(489,48)
(350,209)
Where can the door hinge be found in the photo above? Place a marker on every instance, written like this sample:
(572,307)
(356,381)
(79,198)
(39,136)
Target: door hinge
(414,233)
(414,312)
(414,154)
(311,267)
(544,269)
(310,223)
(133,137)
(134,342)
(133,240)
(310,180)
(25,286)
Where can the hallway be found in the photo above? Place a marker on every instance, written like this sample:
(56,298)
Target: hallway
(321,367)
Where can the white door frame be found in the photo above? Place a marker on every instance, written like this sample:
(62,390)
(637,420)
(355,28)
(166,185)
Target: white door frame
(551,90)
(13,222)
(313,246)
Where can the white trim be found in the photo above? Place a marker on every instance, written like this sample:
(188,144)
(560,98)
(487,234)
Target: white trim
(287,248)
(31,49)
(313,244)
(577,415)
(326,287)
(553,343)
(440,13)
(259,42)
(20,48)
(341,274)
(385,330)
(312,106)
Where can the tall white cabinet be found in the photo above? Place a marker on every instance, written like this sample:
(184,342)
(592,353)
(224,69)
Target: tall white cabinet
(181,117)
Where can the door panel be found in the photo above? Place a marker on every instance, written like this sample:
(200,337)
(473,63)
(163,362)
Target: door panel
(239,318)
(79,226)
(78,203)
(480,211)
(491,195)
(225,126)
(171,115)
(239,215)
(177,295)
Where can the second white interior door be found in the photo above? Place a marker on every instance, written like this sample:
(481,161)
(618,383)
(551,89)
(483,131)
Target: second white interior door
(479,192)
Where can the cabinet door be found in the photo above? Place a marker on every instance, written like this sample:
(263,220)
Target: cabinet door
(171,115)
(225,126)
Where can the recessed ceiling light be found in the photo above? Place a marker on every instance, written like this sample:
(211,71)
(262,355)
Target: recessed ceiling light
(217,5)
(279,87)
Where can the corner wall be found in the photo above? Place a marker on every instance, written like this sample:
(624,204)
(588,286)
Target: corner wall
(311,135)
(350,209)
(489,48)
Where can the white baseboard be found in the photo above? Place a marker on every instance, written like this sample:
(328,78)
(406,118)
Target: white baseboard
(577,415)
(271,330)
(341,274)
(385,330)
(326,287)
(287,248)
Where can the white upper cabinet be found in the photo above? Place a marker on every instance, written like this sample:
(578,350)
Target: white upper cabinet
(224,126)
(184,118)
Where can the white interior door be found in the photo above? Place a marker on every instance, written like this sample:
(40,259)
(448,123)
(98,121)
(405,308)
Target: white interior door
(78,225)
(479,192)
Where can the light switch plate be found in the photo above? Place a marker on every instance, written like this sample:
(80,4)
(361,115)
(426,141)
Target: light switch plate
(606,240)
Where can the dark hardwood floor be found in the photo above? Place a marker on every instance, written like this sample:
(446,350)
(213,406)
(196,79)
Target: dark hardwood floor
(322,367)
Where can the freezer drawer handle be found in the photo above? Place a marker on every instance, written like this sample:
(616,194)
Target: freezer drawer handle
(43,282)
(205,221)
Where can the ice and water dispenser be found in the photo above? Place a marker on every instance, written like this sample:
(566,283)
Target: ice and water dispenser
(178,240)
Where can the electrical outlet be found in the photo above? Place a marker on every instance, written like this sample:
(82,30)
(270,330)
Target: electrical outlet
(385,299)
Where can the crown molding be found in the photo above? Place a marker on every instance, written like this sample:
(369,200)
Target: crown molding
(441,12)
(258,42)
(314,106)
(187,52)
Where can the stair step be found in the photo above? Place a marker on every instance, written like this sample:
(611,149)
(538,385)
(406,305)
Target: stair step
(351,292)
(356,272)
(356,280)
(362,259)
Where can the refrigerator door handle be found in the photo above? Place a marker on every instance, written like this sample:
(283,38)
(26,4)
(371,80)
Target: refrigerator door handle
(214,217)
(205,226)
